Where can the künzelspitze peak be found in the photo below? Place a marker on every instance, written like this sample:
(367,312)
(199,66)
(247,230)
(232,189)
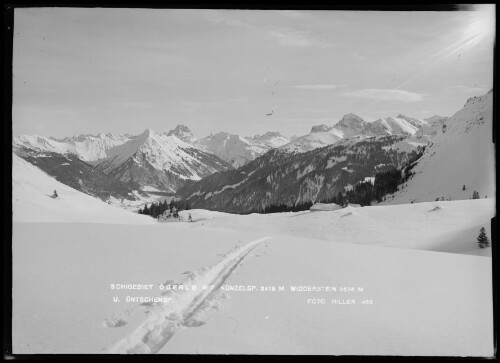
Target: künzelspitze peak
(183,133)
(180,129)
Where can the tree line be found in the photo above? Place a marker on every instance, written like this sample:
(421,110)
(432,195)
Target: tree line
(282,207)
(158,208)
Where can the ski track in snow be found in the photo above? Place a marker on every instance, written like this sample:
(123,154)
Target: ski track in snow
(166,319)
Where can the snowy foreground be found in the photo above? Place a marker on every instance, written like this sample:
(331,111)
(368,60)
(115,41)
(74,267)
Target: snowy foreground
(389,280)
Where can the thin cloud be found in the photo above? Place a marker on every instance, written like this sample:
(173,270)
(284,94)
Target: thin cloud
(386,95)
(318,86)
(464,90)
(295,38)
(284,37)
(221,17)
(293,14)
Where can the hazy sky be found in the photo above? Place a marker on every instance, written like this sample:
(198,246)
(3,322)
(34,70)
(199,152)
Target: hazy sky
(124,70)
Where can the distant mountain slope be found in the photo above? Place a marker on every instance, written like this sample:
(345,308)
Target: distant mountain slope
(86,147)
(31,188)
(154,161)
(395,126)
(269,140)
(78,174)
(280,177)
(160,161)
(462,153)
(238,150)
(350,126)
(320,136)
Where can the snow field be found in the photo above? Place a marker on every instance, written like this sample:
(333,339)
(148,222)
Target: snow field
(419,306)
(62,273)
(452,228)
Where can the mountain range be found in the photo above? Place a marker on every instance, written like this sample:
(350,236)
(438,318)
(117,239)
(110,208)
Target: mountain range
(230,172)
(281,177)
(454,157)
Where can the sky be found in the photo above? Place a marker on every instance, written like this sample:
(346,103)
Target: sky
(79,70)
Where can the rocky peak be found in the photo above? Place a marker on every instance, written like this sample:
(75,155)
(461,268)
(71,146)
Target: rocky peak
(182,132)
(351,120)
(320,128)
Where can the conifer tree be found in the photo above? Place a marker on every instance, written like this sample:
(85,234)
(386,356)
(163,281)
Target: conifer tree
(482,239)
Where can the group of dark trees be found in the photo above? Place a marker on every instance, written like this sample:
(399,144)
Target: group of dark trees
(365,193)
(278,208)
(386,182)
(156,209)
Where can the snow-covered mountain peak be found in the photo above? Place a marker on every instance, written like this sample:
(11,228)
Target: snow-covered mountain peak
(415,122)
(351,120)
(182,132)
(267,136)
(320,128)
(87,147)
(159,160)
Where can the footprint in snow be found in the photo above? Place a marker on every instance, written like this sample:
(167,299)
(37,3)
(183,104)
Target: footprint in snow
(114,323)
(193,323)
(173,316)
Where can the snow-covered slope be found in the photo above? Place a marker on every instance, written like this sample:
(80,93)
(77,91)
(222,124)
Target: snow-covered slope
(413,121)
(412,302)
(462,155)
(351,126)
(395,126)
(159,160)
(31,202)
(319,136)
(269,140)
(233,149)
(449,226)
(86,147)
